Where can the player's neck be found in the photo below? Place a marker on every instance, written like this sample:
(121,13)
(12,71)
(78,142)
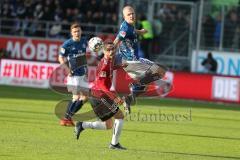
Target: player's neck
(107,57)
(76,39)
(132,24)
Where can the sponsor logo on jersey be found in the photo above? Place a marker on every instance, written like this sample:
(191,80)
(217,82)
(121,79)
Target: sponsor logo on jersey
(62,50)
(123,34)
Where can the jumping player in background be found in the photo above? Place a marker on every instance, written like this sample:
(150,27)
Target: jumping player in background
(104,102)
(73,56)
(127,42)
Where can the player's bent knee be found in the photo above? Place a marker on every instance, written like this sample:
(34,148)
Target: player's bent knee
(161,72)
(109,124)
(75,97)
(84,98)
(119,115)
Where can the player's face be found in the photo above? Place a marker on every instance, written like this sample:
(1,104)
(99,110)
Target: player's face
(76,33)
(129,15)
(109,50)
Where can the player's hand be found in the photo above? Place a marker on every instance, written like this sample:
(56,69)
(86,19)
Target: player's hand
(143,31)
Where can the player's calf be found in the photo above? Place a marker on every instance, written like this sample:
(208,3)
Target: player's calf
(73,107)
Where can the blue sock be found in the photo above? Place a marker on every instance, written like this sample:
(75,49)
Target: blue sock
(77,105)
(137,89)
(68,111)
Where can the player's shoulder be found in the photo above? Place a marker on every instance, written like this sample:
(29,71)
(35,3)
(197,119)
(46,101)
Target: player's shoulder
(84,39)
(67,43)
(124,26)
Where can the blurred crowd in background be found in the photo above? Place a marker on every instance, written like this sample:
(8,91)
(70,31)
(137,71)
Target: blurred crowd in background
(28,13)
(216,23)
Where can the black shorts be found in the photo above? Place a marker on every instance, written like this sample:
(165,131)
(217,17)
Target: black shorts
(104,107)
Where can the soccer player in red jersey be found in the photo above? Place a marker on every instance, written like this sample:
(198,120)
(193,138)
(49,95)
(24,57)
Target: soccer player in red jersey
(104,102)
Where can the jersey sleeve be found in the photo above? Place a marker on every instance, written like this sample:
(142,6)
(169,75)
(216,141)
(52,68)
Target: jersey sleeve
(63,50)
(122,32)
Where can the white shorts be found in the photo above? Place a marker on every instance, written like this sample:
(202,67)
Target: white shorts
(137,69)
(76,84)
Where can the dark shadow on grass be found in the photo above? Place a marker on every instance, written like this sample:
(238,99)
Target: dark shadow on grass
(7,155)
(218,118)
(30,112)
(204,126)
(14,92)
(167,152)
(28,122)
(181,134)
(187,154)
(168,102)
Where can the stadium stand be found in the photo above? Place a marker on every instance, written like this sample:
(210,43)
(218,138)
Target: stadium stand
(49,17)
(221,26)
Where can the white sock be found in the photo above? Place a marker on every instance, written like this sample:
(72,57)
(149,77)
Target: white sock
(117,128)
(95,125)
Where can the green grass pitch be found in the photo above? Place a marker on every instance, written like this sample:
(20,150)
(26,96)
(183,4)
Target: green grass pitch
(161,129)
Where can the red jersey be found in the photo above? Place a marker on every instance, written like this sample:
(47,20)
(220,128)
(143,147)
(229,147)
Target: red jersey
(103,79)
(104,73)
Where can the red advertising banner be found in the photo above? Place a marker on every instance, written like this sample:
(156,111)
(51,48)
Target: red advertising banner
(25,73)
(37,49)
(193,86)
(31,49)
(205,87)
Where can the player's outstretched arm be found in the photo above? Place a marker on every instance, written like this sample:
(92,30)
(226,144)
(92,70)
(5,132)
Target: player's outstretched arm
(116,42)
(62,60)
(141,31)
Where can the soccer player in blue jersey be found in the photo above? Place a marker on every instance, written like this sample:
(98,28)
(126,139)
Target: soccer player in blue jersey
(73,56)
(128,51)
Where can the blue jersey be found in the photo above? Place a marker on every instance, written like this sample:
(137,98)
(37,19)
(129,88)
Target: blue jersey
(75,52)
(129,44)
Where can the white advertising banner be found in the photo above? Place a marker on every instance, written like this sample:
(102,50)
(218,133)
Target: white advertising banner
(228,62)
(226,88)
(26,73)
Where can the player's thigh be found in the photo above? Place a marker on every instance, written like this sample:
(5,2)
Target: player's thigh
(104,107)
(119,115)
(118,59)
(162,71)
(154,67)
(75,97)
(83,97)
(79,96)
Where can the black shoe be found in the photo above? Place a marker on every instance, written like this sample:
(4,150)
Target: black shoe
(135,90)
(117,146)
(78,129)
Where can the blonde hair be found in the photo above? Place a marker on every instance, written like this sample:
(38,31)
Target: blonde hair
(75,25)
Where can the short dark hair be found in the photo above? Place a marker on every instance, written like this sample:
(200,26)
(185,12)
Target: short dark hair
(107,42)
(75,25)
